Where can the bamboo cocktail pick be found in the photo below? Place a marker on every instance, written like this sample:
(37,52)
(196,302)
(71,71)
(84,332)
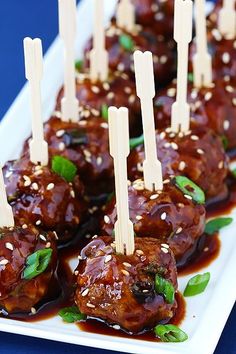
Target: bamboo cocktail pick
(145,86)
(98,55)
(67,29)
(202,62)
(227,19)
(119,150)
(126,15)
(180,115)
(34,72)
(6,214)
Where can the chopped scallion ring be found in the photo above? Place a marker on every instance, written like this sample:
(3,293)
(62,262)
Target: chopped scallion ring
(188,187)
(197,284)
(170,333)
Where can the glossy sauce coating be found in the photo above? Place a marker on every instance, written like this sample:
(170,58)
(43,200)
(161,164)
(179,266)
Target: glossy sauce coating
(41,197)
(167,215)
(16,244)
(198,155)
(119,288)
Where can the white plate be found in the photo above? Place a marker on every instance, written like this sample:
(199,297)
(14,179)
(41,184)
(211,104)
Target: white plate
(206,313)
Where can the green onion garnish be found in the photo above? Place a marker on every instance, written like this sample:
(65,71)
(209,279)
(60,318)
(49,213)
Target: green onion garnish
(79,64)
(37,263)
(134,142)
(64,167)
(216,224)
(170,333)
(104,111)
(126,42)
(197,284)
(188,187)
(225,142)
(190,77)
(164,287)
(71,314)
(234,172)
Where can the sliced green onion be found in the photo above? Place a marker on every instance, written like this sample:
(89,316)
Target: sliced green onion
(190,188)
(64,167)
(234,172)
(164,287)
(225,141)
(71,314)
(104,111)
(37,263)
(170,333)
(79,64)
(134,142)
(126,42)
(197,284)
(190,77)
(216,224)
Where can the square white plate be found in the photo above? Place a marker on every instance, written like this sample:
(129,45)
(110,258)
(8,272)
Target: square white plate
(206,313)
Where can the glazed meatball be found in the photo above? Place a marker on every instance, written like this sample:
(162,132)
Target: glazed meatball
(41,197)
(213,107)
(197,154)
(21,289)
(117,91)
(120,289)
(86,144)
(121,45)
(169,215)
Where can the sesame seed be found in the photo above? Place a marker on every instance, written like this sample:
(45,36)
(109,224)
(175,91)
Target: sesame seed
(117,327)
(37,173)
(194,137)
(61,146)
(165,245)
(226,58)
(9,246)
(95,112)
(55,234)
(50,186)
(27,183)
(104,125)
(48,245)
(42,237)
(154,196)
(85,292)
(182,166)
(127,265)
(194,94)
(167,145)
(127,90)
(121,67)
(60,133)
(38,222)
(95,89)
(229,89)
(164,250)
(76,272)
(4,262)
(106,219)
(106,86)
(221,165)
(139,167)
(24,226)
(172,135)
(90,305)
(125,272)
(179,230)
(99,160)
(110,95)
(226,125)
(79,258)
(72,193)
(163,216)
(131,98)
(171,92)
(162,135)
(174,146)
(206,249)
(35,186)
(33,310)
(216,34)
(188,196)
(200,151)
(163,59)
(138,217)
(108,258)
(139,252)
(234,101)
(208,96)
(166,181)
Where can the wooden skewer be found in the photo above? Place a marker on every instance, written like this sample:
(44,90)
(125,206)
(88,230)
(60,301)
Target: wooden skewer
(67,28)
(6,213)
(119,132)
(34,72)
(99,55)
(202,62)
(227,19)
(180,115)
(145,86)
(126,15)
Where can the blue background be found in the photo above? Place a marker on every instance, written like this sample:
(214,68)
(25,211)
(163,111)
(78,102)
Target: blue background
(20,18)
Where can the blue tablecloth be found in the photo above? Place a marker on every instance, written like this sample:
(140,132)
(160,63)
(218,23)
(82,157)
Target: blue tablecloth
(20,18)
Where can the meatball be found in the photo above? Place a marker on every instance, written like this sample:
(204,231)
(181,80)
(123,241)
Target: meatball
(197,154)
(213,107)
(120,289)
(168,215)
(86,144)
(157,14)
(121,45)
(117,91)
(20,288)
(41,197)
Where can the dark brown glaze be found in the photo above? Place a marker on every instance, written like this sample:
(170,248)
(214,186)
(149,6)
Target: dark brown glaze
(157,14)
(16,244)
(41,197)
(164,52)
(118,91)
(212,107)
(86,144)
(167,215)
(110,285)
(198,155)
